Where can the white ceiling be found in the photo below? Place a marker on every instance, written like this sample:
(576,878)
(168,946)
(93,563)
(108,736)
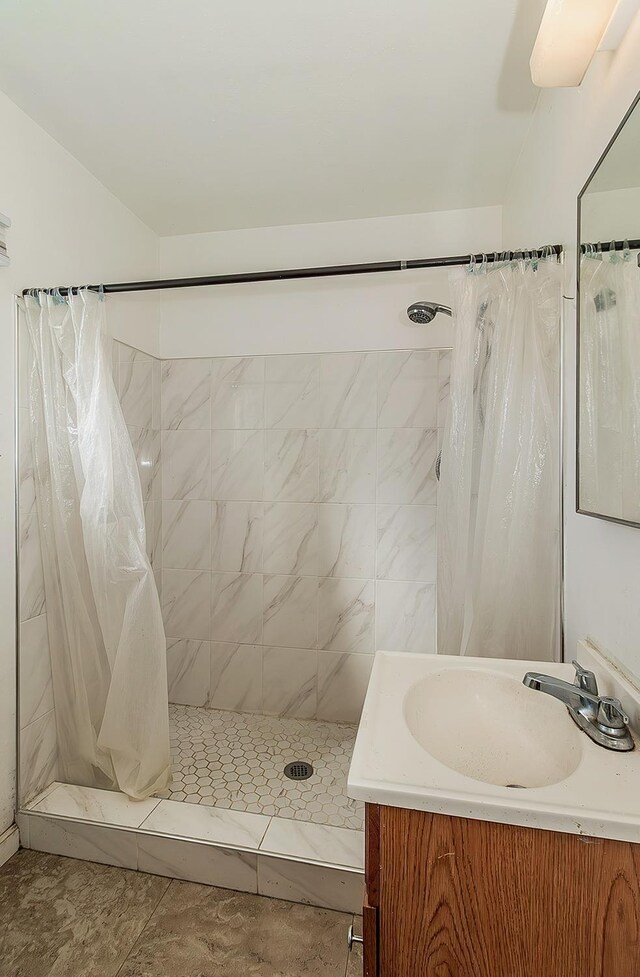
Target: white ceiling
(208,115)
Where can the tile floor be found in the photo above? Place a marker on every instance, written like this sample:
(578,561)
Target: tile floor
(235,760)
(66,918)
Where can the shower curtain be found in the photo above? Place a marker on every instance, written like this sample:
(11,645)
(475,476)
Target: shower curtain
(499,496)
(105,628)
(610,386)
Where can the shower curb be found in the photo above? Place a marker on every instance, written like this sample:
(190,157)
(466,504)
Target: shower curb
(309,881)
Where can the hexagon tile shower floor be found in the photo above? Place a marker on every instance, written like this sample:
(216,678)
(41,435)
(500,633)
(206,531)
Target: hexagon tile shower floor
(237,760)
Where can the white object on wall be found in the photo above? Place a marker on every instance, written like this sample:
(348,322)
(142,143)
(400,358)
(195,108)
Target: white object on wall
(569,35)
(4,224)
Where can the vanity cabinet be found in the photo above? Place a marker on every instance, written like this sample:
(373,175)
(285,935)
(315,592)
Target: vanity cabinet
(455,897)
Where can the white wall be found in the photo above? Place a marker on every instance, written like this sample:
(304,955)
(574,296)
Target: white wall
(66,228)
(337,314)
(611,215)
(569,131)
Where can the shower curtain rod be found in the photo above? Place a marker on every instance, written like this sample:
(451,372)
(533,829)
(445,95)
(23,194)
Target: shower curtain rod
(287,274)
(612,246)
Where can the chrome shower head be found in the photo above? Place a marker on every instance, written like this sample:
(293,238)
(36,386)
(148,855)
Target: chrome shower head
(424,312)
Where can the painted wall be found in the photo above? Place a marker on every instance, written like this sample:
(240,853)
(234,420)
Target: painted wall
(570,130)
(330,315)
(611,214)
(66,228)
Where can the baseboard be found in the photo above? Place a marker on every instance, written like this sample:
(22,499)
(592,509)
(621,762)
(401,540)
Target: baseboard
(9,843)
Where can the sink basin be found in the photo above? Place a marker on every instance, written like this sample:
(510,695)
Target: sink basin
(446,734)
(488,726)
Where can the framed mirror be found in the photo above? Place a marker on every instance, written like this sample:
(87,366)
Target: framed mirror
(608,388)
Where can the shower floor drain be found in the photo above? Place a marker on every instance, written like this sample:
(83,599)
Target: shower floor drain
(298,770)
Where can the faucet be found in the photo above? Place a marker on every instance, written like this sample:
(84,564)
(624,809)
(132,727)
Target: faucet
(599,716)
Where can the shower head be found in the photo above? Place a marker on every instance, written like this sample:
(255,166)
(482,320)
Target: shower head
(423,312)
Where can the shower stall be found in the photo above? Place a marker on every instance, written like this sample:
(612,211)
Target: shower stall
(290,508)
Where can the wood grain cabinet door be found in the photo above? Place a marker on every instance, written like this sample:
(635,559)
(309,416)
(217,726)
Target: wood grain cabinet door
(370,924)
(465,898)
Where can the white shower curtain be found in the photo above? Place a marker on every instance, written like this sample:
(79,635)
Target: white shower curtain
(610,386)
(499,496)
(105,628)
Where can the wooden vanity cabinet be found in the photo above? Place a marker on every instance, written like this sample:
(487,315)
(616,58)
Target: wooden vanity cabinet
(455,897)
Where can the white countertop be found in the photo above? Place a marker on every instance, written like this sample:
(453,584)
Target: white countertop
(601,797)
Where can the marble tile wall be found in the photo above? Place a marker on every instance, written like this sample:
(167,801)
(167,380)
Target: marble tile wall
(291,511)
(38,746)
(137,379)
(298,524)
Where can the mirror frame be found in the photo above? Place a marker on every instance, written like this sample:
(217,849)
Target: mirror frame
(579,510)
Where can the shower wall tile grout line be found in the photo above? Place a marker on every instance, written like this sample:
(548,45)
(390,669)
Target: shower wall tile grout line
(294,639)
(286,610)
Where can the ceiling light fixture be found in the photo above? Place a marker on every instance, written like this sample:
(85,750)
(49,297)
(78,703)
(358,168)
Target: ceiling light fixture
(569,35)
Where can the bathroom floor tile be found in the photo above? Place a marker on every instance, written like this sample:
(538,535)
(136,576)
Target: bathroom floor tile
(338,889)
(319,842)
(191,861)
(201,931)
(355,964)
(66,918)
(90,841)
(87,803)
(236,761)
(222,827)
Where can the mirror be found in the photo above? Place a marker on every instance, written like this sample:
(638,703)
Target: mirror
(608,446)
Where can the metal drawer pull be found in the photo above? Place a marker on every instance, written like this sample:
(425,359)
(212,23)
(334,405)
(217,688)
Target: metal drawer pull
(352,938)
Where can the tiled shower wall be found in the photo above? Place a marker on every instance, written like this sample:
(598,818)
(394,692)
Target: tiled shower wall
(290,504)
(298,524)
(38,742)
(137,379)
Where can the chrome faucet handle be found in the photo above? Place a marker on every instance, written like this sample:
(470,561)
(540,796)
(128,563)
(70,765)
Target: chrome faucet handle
(611,714)
(585,679)
(602,718)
